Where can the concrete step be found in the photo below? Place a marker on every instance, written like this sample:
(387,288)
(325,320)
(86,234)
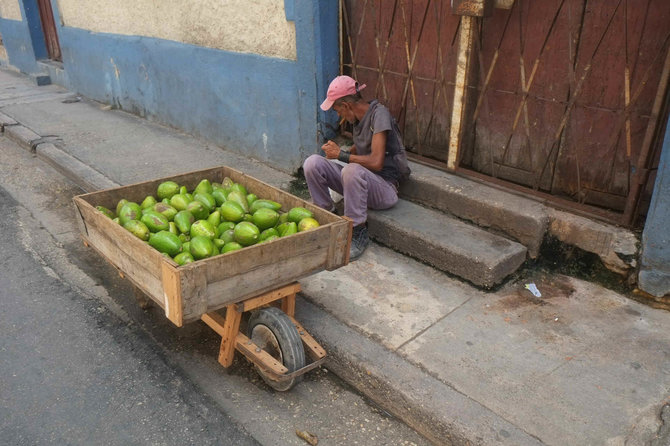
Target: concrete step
(519,218)
(447,243)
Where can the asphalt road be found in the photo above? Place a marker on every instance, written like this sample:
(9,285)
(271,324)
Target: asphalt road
(87,377)
(81,363)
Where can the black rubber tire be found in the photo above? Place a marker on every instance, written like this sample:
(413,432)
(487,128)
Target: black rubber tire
(291,351)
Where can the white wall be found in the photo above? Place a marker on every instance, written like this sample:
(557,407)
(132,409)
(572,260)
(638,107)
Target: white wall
(258,26)
(10,9)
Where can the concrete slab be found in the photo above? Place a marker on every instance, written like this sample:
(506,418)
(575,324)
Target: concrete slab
(617,247)
(447,243)
(581,365)
(441,413)
(101,137)
(520,218)
(386,295)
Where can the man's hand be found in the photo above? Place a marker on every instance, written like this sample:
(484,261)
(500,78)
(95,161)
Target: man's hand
(331,149)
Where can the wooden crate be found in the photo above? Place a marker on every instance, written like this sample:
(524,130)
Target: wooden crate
(187,292)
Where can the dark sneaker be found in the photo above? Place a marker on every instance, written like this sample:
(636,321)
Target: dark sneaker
(359,241)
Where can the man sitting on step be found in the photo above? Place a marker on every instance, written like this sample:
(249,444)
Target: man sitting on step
(370,171)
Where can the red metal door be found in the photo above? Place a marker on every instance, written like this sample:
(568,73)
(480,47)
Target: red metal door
(570,93)
(405,51)
(49,29)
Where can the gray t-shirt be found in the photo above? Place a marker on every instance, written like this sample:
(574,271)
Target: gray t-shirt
(378,119)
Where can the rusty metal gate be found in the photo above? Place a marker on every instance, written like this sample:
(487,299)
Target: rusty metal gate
(563,97)
(405,51)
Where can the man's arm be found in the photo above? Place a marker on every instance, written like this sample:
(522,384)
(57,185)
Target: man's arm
(374,161)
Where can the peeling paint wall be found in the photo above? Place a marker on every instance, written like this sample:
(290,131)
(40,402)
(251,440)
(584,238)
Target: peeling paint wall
(224,74)
(258,27)
(10,9)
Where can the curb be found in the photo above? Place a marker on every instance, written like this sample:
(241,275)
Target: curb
(6,121)
(23,136)
(84,176)
(435,410)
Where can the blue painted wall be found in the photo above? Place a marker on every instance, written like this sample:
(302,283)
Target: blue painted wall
(262,107)
(654,277)
(17,41)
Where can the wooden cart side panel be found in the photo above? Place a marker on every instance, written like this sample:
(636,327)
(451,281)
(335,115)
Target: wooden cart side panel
(241,274)
(172,291)
(193,288)
(78,217)
(263,279)
(136,259)
(340,242)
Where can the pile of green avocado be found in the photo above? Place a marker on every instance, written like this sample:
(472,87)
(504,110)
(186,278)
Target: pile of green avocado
(215,218)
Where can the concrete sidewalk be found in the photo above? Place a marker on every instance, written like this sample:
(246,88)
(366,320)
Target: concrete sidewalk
(580,365)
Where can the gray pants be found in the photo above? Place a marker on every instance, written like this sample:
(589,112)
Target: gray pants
(361,188)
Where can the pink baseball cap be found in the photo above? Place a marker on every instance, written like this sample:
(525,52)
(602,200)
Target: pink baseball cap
(340,87)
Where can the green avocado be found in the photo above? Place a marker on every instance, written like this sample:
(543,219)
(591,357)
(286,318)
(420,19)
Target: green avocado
(148,202)
(129,211)
(198,210)
(180,201)
(232,211)
(240,199)
(220,196)
(206,199)
(184,220)
(166,210)
(298,213)
(166,242)
(204,187)
(167,189)
(287,228)
(155,221)
(261,203)
(106,211)
(138,229)
(201,247)
(183,258)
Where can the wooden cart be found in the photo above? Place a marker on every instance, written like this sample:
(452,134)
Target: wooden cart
(251,279)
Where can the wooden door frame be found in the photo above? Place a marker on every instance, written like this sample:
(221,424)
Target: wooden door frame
(49,30)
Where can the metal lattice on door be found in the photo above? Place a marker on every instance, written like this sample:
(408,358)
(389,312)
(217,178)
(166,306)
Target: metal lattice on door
(565,96)
(405,51)
(570,94)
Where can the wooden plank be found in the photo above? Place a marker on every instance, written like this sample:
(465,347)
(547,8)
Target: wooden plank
(172,294)
(259,357)
(465,44)
(215,321)
(288,304)
(133,257)
(266,298)
(313,348)
(231,328)
(263,277)
(340,244)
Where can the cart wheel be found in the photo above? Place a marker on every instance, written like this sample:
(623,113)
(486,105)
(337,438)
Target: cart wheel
(272,330)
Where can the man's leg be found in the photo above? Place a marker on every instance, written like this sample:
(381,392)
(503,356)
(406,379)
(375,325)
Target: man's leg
(362,190)
(322,174)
